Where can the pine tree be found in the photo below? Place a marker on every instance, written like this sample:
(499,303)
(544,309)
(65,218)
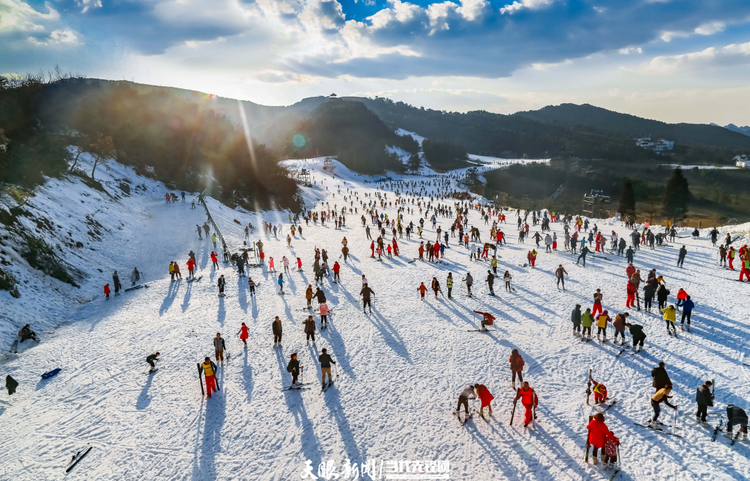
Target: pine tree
(415,163)
(627,199)
(675,203)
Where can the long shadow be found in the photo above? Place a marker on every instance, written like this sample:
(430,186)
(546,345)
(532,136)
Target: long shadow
(143,398)
(186,299)
(255,305)
(171,295)
(336,411)
(337,346)
(211,443)
(222,313)
(390,335)
(242,294)
(308,440)
(247,377)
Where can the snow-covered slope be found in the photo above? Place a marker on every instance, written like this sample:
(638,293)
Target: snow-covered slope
(400,369)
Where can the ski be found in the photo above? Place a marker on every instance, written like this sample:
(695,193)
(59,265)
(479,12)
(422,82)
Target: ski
(609,406)
(195,279)
(135,287)
(657,430)
(620,353)
(327,386)
(481,330)
(151,371)
(77,457)
(717,429)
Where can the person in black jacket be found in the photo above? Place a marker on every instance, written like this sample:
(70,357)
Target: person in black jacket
(221,284)
(310,328)
(736,415)
(366,292)
(661,295)
(152,360)
(636,330)
(661,378)
(11,385)
(704,397)
(276,327)
(320,296)
(648,296)
(325,367)
(294,368)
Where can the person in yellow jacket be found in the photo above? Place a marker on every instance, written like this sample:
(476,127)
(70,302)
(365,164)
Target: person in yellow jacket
(209,369)
(661,396)
(587,320)
(171,270)
(493,264)
(670,315)
(601,323)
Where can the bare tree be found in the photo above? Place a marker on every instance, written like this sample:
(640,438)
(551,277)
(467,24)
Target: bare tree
(102,149)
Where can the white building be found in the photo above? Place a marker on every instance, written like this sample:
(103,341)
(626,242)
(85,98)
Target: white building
(659,146)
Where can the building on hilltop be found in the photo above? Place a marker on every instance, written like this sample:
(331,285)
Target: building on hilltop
(742,161)
(658,146)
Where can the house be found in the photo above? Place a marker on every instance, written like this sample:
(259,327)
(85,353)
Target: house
(659,146)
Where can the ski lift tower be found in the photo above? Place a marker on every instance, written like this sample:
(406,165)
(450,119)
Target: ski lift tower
(328,165)
(595,204)
(304,177)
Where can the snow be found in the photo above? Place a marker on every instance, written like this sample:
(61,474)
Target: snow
(400,368)
(413,135)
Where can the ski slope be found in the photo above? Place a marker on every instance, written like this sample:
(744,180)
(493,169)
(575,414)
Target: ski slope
(400,369)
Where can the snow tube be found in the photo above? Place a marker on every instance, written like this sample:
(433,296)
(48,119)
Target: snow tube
(51,373)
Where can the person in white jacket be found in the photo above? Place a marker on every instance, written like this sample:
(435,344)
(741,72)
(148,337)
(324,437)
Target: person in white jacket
(463,398)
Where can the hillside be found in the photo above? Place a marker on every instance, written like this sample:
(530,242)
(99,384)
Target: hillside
(606,120)
(399,368)
(349,131)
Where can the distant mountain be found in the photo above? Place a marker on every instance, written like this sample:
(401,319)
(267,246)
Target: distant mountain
(742,130)
(606,120)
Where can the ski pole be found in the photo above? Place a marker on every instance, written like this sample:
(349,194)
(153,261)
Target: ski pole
(200,380)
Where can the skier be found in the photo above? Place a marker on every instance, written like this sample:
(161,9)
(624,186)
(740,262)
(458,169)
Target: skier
(221,284)
(601,324)
(745,272)
(11,385)
(277,331)
(463,399)
(736,415)
(209,369)
(294,368)
(281,283)
(309,296)
(490,283)
(575,318)
(587,320)
(449,283)
(319,295)
(529,400)
(584,251)
(243,334)
(116,282)
(516,367)
(619,325)
(219,347)
(598,432)
(422,289)
(323,316)
(687,310)
(27,333)
(507,278)
(251,285)
(636,330)
(661,396)
(336,269)
(106,290)
(560,274)
(213,239)
(704,397)
(469,281)
(600,391)
(670,316)
(681,256)
(493,264)
(661,378)
(325,366)
(435,286)
(214,260)
(485,397)
(152,359)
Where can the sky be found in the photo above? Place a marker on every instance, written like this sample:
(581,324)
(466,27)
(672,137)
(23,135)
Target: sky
(671,60)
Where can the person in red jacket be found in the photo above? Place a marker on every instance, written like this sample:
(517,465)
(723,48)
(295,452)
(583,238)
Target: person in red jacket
(485,397)
(243,334)
(106,290)
(177,274)
(336,269)
(215,259)
(598,432)
(395,248)
(191,267)
(421,251)
(422,289)
(516,367)
(600,391)
(630,270)
(530,402)
(631,290)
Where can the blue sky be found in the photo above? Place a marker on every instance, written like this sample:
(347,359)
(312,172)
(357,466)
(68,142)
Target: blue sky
(674,60)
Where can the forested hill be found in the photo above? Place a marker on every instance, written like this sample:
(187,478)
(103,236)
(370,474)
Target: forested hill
(606,120)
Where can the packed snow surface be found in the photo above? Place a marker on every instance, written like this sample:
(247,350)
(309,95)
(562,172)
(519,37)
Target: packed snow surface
(400,369)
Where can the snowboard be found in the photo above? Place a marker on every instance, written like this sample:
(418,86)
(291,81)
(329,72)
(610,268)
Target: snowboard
(51,373)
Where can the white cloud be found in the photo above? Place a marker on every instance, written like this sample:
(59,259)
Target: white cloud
(530,4)
(729,55)
(710,28)
(630,50)
(86,5)
(19,16)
